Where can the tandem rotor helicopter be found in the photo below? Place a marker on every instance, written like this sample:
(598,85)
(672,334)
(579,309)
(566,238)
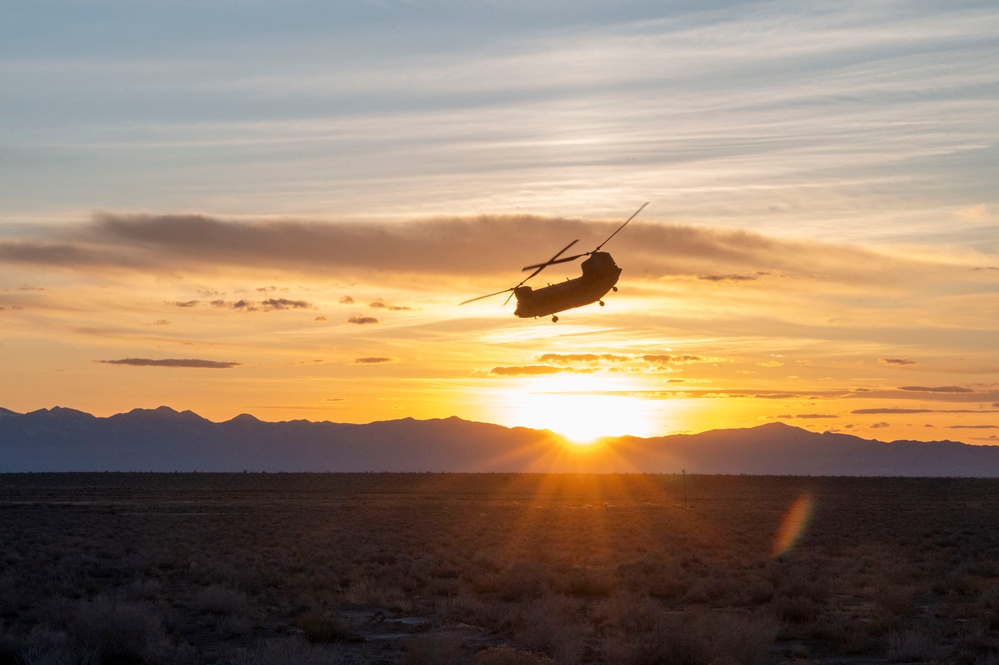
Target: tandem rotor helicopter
(600,274)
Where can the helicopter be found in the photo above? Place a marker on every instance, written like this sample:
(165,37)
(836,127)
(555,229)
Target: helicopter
(600,275)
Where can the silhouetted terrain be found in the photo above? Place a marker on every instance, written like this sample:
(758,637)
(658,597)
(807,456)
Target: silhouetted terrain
(496,569)
(162,439)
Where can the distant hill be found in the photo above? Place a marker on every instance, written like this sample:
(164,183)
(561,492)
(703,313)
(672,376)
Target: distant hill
(163,439)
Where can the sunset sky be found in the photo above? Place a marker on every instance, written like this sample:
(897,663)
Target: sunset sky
(275,208)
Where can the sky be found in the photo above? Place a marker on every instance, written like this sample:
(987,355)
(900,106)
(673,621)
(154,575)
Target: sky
(245,206)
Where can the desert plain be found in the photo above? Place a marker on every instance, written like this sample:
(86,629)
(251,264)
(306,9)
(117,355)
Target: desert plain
(495,569)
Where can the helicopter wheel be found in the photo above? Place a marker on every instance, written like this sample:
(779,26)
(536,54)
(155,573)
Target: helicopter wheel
(554,319)
(601,302)
(614,288)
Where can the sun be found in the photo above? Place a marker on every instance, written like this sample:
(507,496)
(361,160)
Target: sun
(581,407)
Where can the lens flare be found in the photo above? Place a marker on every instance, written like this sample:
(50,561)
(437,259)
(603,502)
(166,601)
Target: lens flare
(794,523)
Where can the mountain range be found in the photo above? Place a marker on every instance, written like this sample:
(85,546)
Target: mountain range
(165,440)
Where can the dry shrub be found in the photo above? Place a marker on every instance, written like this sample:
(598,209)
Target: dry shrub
(319,628)
(433,649)
(892,602)
(704,590)
(509,656)
(218,599)
(658,578)
(700,638)
(522,581)
(551,626)
(746,638)
(850,635)
(586,583)
(461,608)
(120,632)
(45,647)
(797,609)
(906,646)
(635,614)
(291,651)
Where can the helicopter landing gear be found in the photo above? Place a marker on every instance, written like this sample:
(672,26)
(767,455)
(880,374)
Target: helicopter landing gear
(601,302)
(554,319)
(614,288)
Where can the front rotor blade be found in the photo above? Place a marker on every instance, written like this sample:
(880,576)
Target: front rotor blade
(622,226)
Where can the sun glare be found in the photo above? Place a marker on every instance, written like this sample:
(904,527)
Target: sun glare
(582,408)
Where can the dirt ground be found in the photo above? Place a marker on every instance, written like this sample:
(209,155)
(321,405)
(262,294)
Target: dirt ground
(494,569)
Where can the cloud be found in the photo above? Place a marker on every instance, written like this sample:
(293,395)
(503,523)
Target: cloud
(268,305)
(581,358)
(185,303)
(929,393)
(730,278)
(806,416)
(285,303)
(171,362)
(896,361)
(371,361)
(886,411)
(362,320)
(392,308)
(494,245)
(346,300)
(978,213)
(937,389)
(529,370)
(670,358)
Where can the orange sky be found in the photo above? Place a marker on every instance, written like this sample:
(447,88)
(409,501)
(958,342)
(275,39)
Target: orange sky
(277,212)
(358,321)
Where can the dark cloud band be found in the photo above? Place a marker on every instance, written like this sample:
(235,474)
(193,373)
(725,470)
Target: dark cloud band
(172,362)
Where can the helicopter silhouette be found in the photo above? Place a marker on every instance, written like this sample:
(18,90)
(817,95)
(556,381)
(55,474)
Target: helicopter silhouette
(600,275)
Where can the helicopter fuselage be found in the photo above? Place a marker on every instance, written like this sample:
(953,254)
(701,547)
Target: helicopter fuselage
(600,274)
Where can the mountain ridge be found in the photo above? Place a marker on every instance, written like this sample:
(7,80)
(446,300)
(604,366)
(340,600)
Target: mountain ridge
(164,440)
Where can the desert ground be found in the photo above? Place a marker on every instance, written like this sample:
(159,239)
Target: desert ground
(494,569)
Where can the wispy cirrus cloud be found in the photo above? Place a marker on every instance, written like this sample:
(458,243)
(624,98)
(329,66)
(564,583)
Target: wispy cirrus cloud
(193,363)
(378,304)
(582,358)
(530,370)
(670,358)
(937,389)
(268,305)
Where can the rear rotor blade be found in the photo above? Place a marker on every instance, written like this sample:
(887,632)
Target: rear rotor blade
(539,267)
(542,266)
(564,259)
(488,295)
